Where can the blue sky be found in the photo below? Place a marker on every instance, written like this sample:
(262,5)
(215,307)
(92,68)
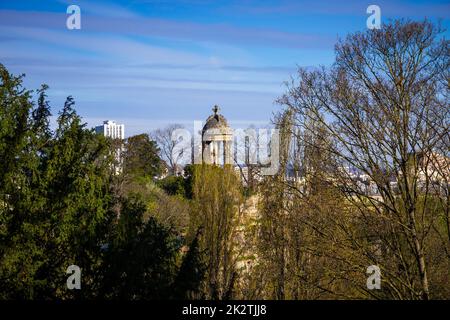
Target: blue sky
(147,63)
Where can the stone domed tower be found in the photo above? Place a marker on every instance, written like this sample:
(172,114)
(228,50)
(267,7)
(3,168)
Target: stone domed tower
(217,139)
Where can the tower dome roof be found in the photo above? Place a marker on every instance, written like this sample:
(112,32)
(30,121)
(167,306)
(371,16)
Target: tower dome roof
(215,121)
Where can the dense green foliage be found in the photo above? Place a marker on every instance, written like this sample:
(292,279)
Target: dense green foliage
(58,208)
(140,260)
(179,185)
(141,157)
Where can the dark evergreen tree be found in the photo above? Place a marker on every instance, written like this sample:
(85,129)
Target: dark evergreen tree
(191,273)
(140,262)
(57,208)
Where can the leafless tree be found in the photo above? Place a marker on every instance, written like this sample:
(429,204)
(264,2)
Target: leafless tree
(384,106)
(172,152)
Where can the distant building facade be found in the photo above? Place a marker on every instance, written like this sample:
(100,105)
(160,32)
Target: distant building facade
(111,129)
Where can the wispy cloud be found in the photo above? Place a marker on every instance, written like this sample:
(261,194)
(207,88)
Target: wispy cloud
(171,29)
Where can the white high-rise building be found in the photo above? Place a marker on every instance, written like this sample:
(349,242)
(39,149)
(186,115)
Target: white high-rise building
(111,129)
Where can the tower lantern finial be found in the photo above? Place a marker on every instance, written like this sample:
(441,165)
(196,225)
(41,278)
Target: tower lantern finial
(216,109)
